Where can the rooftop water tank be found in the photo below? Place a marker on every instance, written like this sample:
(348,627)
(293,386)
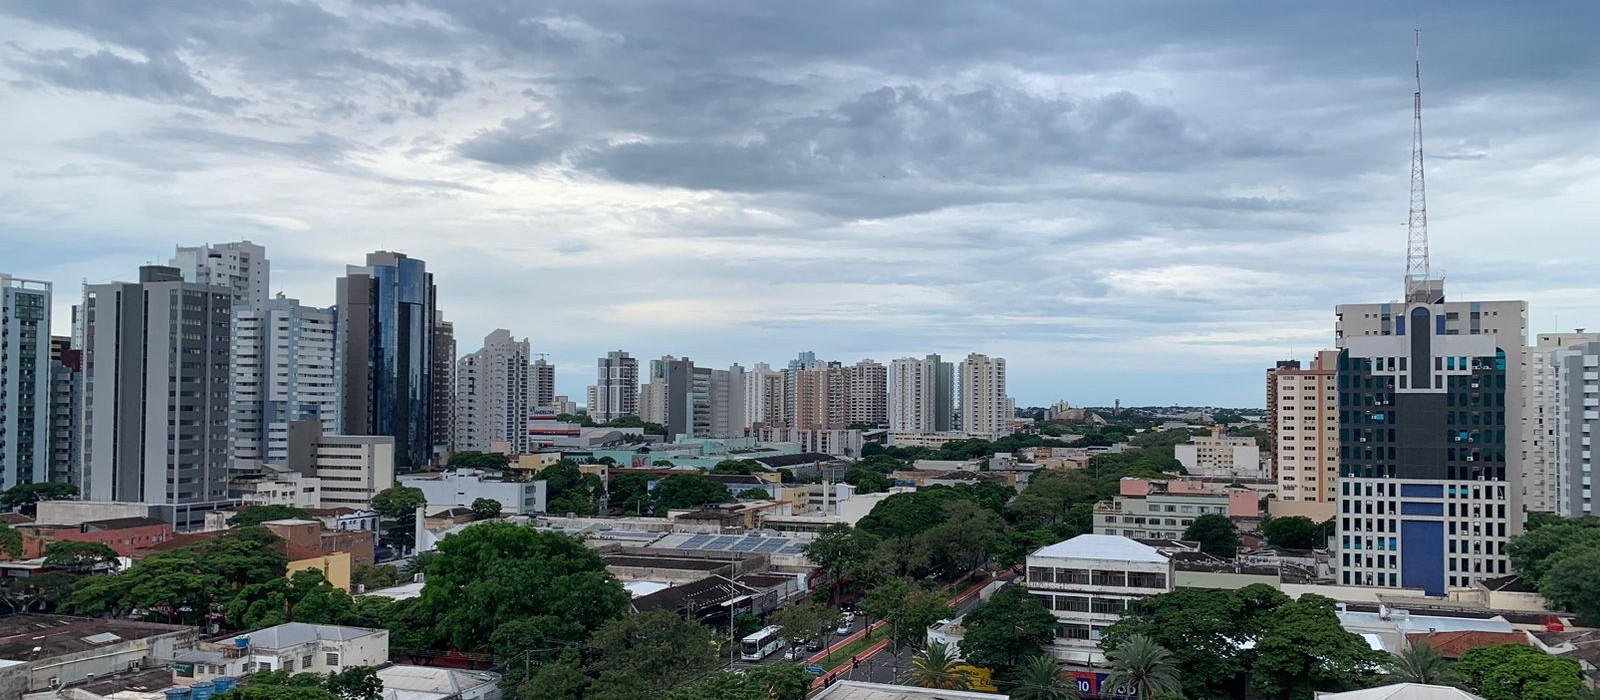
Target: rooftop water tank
(224,683)
(202,690)
(177,694)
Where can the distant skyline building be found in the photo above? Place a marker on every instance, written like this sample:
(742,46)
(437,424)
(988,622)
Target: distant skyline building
(653,393)
(1303,430)
(386,353)
(25,384)
(817,397)
(616,388)
(920,395)
(493,397)
(868,390)
(763,396)
(66,411)
(1576,398)
(282,372)
(1543,468)
(981,383)
(443,382)
(156,393)
(727,399)
(541,384)
(241,266)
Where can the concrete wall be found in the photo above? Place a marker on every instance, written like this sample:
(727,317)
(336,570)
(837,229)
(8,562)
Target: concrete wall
(80,512)
(108,659)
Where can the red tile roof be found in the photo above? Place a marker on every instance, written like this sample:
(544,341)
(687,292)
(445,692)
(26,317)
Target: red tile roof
(1452,645)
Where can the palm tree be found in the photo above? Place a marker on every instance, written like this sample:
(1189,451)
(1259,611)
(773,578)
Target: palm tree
(1042,679)
(935,667)
(1142,665)
(1420,664)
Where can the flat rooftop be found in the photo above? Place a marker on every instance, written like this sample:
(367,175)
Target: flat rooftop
(56,635)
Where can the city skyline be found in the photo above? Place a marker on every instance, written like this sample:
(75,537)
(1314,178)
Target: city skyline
(1135,186)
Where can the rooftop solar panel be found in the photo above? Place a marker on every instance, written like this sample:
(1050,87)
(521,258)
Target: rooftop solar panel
(771,545)
(722,543)
(695,542)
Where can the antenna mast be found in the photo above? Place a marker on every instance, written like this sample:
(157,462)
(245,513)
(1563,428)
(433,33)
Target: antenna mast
(1420,286)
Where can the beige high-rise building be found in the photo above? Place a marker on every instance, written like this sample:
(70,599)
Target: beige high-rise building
(1540,439)
(981,384)
(869,394)
(763,397)
(817,398)
(1303,426)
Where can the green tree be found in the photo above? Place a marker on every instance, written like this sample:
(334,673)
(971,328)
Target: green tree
(964,539)
(1217,535)
(1206,630)
(1305,650)
(779,681)
(1531,552)
(935,667)
(304,597)
(496,571)
(1141,665)
(629,492)
(255,515)
(10,541)
(371,577)
(184,584)
(739,467)
(800,622)
(556,681)
(1008,629)
(867,480)
(399,504)
(658,646)
(1572,582)
(528,642)
(482,461)
(26,497)
(485,508)
(355,683)
(1294,532)
(754,494)
(842,551)
(688,491)
(80,558)
(908,609)
(569,490)
(1420,664)
(1043,678)
(1519,672)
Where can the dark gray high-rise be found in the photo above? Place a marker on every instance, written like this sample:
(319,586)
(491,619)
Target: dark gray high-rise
(156,372)
(385,353)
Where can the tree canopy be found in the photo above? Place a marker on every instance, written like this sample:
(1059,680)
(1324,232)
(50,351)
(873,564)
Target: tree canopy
(483,461)
(1003,633)
(1294,532)
(255,515)
(1519,672)
(688,491)
(1216,533)
(399,504)
(569,490)
(26,497)
(485,508)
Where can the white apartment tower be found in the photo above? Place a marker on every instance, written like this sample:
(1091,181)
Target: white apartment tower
(869,394)
(616,388)
(25,387)
(763,396)
(282,373)
(981,382)
(541,384)
(728,402)
(1576,398)
(241,266)
(1542,467)
(492,395)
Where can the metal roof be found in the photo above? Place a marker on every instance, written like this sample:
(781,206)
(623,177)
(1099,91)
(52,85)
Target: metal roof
(1109,547)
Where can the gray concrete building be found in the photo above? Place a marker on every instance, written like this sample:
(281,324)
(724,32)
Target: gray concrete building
(616,388)
(1577,420)
(493,397)
(241,266)
(66,411)
(156,383)
(24,381)
(282,372)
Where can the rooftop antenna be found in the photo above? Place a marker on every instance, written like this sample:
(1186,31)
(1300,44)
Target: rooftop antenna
(1419,284)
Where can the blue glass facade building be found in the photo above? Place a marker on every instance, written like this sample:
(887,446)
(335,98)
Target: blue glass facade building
(386,354)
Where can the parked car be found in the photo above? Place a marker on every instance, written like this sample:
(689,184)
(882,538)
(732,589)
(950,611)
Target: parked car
(814,645)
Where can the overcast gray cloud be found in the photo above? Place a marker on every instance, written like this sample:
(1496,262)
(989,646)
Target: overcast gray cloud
(1141,200)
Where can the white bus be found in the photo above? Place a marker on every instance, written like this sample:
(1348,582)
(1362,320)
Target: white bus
(757,646)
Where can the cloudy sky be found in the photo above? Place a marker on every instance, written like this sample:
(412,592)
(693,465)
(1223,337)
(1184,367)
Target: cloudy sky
(1150,201)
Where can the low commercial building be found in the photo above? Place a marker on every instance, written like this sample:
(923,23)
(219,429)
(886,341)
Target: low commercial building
(1219,455)
(47,653)
(402,682)
(305,539)
(350,469)
(857,690)
(838,443)
(1157,509)
(125,536)
(461,488)
(294,647)
(1087,582)
(931,440)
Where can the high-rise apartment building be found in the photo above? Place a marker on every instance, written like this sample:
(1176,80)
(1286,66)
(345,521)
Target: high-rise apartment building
(1303,428)
(283,372)
(981,382)
(653,393)
(677,396)
(66,411)
(868,392)
(155,400)
(541,384)
(920,395)
(443,395)
(728,402)
(1430,396)
(241,266)
(1542,398)
(492,402)
(24,381)
(700,402)
(1576,398)
(385,352)
(616,388)
(763,397)
(817,397)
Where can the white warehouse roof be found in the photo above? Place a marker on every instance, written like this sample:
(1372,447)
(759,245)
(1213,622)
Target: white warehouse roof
(1108,547)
